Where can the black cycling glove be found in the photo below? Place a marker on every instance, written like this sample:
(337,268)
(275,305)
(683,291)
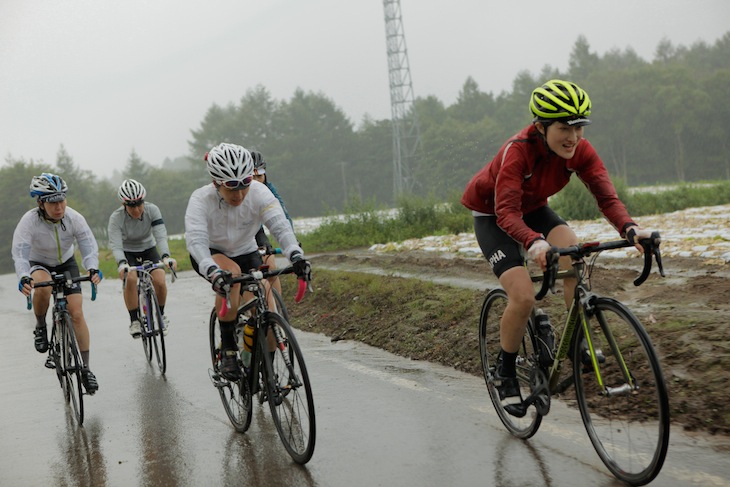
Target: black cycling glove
(220,280)
(302,268)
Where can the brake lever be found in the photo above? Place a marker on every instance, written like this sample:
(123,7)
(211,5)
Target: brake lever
(651,249)
(658,257)
(226,304)
(550,274)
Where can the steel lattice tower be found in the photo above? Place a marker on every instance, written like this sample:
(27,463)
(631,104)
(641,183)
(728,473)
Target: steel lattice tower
(406,135)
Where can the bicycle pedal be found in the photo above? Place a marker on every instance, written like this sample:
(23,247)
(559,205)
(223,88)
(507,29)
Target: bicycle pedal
(542,404)
(278,399)
(219,383)
(50,363)
(516,410)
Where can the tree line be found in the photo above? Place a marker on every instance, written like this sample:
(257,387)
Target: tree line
(659,121)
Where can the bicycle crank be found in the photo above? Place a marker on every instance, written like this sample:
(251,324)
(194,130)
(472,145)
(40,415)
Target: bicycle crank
(540,395)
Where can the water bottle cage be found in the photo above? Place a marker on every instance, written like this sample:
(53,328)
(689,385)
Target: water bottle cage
(545,340)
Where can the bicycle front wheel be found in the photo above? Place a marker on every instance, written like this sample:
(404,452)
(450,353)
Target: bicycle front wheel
(289,390)
(143,318)
(155,324)
(489,348)
(54,353)
(621,393)
(280,305)
(235,396)
(71,364)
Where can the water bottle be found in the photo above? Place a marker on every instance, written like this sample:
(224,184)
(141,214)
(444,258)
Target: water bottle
(244,340)
(545,338)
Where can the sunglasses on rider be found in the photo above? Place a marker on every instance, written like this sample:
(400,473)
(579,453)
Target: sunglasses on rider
(134,203)
(238,183)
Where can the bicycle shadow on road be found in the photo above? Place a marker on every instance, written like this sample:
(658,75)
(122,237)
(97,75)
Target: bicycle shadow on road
(518,462)
(83,460)
(257,456)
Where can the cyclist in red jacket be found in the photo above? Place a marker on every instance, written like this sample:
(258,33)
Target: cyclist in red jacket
(508,198)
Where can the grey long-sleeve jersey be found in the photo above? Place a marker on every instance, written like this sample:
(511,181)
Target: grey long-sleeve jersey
(137,235)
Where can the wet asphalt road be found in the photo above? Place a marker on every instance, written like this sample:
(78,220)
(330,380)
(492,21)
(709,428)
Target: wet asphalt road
(381,420)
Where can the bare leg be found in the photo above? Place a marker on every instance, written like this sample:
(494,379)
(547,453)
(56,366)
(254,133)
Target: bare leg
(521,298)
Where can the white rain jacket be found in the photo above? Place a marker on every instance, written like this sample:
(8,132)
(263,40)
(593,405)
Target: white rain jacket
(40,240)
(210,223)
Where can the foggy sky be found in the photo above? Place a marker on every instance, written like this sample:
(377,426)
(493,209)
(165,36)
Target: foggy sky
(105,77)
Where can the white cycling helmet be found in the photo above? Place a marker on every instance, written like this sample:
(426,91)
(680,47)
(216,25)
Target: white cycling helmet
(48,187)
(131,191)
(228,163)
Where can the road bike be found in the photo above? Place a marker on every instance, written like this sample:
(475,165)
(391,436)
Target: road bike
(150,316)
(619,386)
(63,351)
(276,372)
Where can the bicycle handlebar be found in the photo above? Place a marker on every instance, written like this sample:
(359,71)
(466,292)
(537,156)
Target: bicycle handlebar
(63,281)
(577,252)
(270,250)
(259,275)
(148,266)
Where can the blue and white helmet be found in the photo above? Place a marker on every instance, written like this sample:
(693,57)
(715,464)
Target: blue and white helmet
(48,187)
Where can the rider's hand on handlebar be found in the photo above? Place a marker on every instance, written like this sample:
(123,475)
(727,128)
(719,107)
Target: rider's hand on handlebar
(220,280)
(123,269)
(25,285)
(95,275)
(635,233)
(302,268)
(169,262)
(536,252)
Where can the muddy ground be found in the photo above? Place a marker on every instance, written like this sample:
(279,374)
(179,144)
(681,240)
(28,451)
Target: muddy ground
(686,313)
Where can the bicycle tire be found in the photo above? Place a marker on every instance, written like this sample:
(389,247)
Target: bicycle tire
(289,390)
(54,353)
(489,349)
(280,305)
(235,396)
(155,323)
(146,342)
(629,428)
(72,364)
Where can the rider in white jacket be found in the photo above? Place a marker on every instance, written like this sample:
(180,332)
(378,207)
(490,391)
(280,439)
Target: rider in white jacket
(221,222)
(43,242)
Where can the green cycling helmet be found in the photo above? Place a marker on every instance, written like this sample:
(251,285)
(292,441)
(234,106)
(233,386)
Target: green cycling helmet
(561,101)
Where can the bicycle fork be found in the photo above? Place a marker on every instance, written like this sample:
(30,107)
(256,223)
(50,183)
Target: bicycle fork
(629,385)
(293,381)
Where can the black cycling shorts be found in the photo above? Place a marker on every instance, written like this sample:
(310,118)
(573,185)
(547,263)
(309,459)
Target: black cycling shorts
(245,262)
(138,258)
(502,251)
(70,265)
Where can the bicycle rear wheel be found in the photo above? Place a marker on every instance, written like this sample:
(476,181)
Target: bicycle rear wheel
(289,390)
(627,415)
(155,324)
(235,396)
(71,364)
(489,349)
